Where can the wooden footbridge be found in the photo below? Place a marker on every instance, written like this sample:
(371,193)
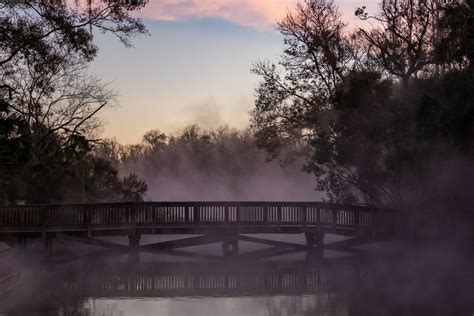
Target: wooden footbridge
(226,222)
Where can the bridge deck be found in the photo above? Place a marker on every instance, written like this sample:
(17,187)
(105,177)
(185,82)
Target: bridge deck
(202,217)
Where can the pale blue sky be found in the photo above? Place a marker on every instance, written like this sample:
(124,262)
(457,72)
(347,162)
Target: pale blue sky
(191,69)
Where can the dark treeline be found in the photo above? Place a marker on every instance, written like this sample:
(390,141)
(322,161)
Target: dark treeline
(215,164)
(49,103)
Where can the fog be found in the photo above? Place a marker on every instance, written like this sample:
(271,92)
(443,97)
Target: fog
(423,281)
(219,164)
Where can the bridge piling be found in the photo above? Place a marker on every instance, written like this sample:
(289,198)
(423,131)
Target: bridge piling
(134,242)
(230,246)
(315,243)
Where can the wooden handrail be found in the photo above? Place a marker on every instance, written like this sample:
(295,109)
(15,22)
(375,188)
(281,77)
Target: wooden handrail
(44,218)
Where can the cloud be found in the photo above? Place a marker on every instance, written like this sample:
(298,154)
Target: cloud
(259,14)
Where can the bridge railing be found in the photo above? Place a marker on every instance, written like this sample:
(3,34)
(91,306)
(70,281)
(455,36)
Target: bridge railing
(147,214)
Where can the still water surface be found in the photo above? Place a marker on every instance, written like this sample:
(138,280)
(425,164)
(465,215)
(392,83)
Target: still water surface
(340,284)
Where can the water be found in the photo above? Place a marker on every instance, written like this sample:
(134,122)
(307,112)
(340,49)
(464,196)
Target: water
(425,282)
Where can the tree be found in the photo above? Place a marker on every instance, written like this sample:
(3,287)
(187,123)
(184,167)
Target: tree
(47,31)
(389,109)
(155,140)
(456,40)
(294,101)
(14,146)
(45,47)
(68,107)
(402,39)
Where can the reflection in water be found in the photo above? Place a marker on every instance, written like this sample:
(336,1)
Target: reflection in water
(413,285)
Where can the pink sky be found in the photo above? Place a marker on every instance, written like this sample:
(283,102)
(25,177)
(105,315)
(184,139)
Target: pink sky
(193,69)
(259,14)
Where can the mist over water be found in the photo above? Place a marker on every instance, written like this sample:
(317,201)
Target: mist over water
(419,282)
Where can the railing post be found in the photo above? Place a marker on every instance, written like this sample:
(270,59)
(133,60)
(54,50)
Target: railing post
(186,214)
(153,219)
(356,218)
(265,214)
(88,215)
(133,219)
(305,215)
(226,213)
(196,214)
(237,214)
(279,217)
(334,218)
(44,222)
(372,221)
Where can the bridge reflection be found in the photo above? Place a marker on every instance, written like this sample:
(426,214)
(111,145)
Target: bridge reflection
(344,286)
(154,279)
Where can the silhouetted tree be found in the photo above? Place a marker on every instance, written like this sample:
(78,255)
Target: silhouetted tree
(14,146)
(456,39)
(375,112)
(402,40)
(44,50)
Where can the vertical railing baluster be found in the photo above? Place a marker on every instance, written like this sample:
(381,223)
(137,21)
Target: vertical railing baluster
(131,217)
(265,215)
(43,222)
(305,215)
(186,213)
(318,216)
(226,213)
(196,214)
(279,215)
(88,220)
(356,219)
(237,214)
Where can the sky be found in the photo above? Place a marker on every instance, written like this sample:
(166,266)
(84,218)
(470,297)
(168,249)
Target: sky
(194,66)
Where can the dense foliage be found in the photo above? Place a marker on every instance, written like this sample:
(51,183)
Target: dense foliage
(49,103)
(383,115)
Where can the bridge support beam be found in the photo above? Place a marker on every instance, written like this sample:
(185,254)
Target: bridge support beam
(230,246)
